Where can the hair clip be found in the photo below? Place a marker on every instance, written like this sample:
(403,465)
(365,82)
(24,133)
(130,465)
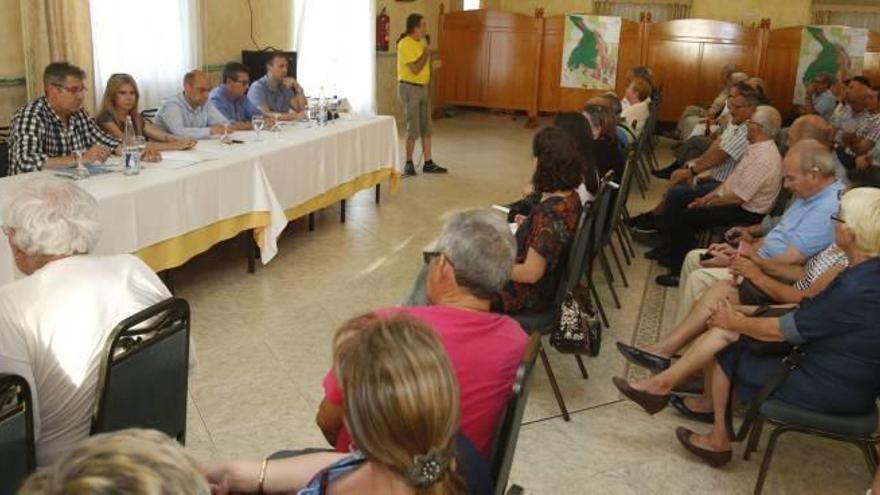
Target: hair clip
(427,469)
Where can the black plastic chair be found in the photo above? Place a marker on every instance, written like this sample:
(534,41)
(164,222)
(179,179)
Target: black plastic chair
(144,372)
(860,430)
(507,432)
(149,114)
(4,151)
(17,452)
(581,255)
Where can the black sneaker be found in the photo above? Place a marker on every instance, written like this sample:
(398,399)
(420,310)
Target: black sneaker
(409,169)
(645,223)
(433,168)
(666,172)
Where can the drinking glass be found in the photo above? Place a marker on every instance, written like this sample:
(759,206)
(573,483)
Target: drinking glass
(81,171)
(277,125)
(258,122)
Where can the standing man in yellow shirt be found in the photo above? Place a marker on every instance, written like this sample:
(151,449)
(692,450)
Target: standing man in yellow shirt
(414,76)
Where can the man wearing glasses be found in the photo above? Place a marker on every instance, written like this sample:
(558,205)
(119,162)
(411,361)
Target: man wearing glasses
(49,131)
(230,97)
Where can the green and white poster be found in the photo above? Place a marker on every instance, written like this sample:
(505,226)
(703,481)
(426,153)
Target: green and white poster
(836,50)
(590,46)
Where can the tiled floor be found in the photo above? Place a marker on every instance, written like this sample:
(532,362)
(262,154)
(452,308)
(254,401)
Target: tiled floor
(263,341)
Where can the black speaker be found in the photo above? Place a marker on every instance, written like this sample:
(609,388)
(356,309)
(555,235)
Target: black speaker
(256,62)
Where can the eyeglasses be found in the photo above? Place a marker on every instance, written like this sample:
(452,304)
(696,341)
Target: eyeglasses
(430,255)
(837,218)
(76,91)
(245,82)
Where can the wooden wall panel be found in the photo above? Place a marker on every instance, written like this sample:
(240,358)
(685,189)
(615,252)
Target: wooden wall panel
(872,58)
(780,65)
(490,59)
(554,98)
(687,57)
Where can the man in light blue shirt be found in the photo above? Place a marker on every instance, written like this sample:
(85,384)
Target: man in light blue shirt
(190,113)
(276,93)
(230,97)
(804,230)
(819,99)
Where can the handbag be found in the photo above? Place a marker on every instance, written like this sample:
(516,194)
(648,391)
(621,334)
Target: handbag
(579,330)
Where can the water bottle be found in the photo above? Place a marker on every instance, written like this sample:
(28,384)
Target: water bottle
(322,111)
(131,153)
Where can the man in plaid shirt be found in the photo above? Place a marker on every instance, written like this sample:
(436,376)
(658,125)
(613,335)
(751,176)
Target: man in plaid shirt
(47,132)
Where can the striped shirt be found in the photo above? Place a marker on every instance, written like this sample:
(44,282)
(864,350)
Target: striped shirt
(758,177)
(734,142)
(817,266)
(38,134)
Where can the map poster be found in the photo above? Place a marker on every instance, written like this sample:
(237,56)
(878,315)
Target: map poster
(836,50)
(590,45)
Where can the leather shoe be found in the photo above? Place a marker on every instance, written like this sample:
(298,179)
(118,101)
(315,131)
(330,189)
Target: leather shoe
(711,457)
(654,363)
(680,406)
(651,403)
(668,280)
(694,385)
(656,254)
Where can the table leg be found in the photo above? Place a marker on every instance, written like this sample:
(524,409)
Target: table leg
(167,277)
(342,211)
(378,193)
(311,222)
(251,247)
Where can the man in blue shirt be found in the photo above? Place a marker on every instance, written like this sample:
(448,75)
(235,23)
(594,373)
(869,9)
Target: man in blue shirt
(190,113)
(230,97)
(276,93)
(819,99)
(804,230)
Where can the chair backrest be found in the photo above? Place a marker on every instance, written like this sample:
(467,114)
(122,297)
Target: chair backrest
(586,240)
(17,454)
(149,114)
(4,151)
(507,430)
(782,200)
(144,372)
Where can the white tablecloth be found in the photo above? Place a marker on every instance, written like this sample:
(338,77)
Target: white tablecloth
(281,171)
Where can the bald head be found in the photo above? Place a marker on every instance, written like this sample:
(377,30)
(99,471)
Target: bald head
(810,127)
(196,87)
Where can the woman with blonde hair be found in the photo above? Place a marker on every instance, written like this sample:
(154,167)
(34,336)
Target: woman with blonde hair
(134,461)
(401,406)
(120,100)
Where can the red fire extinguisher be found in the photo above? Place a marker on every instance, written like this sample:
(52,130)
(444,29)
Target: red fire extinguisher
(383,29)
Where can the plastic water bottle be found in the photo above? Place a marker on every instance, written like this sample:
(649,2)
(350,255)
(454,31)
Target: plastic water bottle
(131,153)
(322,111)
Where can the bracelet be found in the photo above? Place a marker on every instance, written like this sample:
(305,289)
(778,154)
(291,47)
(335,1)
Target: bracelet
(262,475)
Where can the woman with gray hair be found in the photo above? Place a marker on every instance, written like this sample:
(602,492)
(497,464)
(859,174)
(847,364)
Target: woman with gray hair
(54,321)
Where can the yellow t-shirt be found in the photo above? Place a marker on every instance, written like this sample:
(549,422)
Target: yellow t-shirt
(408,51)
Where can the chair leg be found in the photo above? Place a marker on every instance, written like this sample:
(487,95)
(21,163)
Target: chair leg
(378,193)
(553,384)
(623,247)
(599,305)
(641,184)
(870,455)
(312,222)
(627,236)
(617,262)
(342,211)
(582,367)
(768,456)
(754,437)
(607,269)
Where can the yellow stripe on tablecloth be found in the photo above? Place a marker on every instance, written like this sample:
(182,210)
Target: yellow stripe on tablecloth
(178,250)
(343,191)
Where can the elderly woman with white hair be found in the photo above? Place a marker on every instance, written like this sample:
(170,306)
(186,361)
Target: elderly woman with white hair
(837,330)
(54,321)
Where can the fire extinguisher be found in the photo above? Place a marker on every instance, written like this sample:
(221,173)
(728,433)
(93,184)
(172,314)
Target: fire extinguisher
(383,29)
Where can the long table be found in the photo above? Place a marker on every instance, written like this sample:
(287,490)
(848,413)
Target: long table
(181,207)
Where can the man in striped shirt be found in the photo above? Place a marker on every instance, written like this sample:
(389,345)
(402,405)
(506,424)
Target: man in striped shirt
(742,199)
(49,131)
(704,174)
